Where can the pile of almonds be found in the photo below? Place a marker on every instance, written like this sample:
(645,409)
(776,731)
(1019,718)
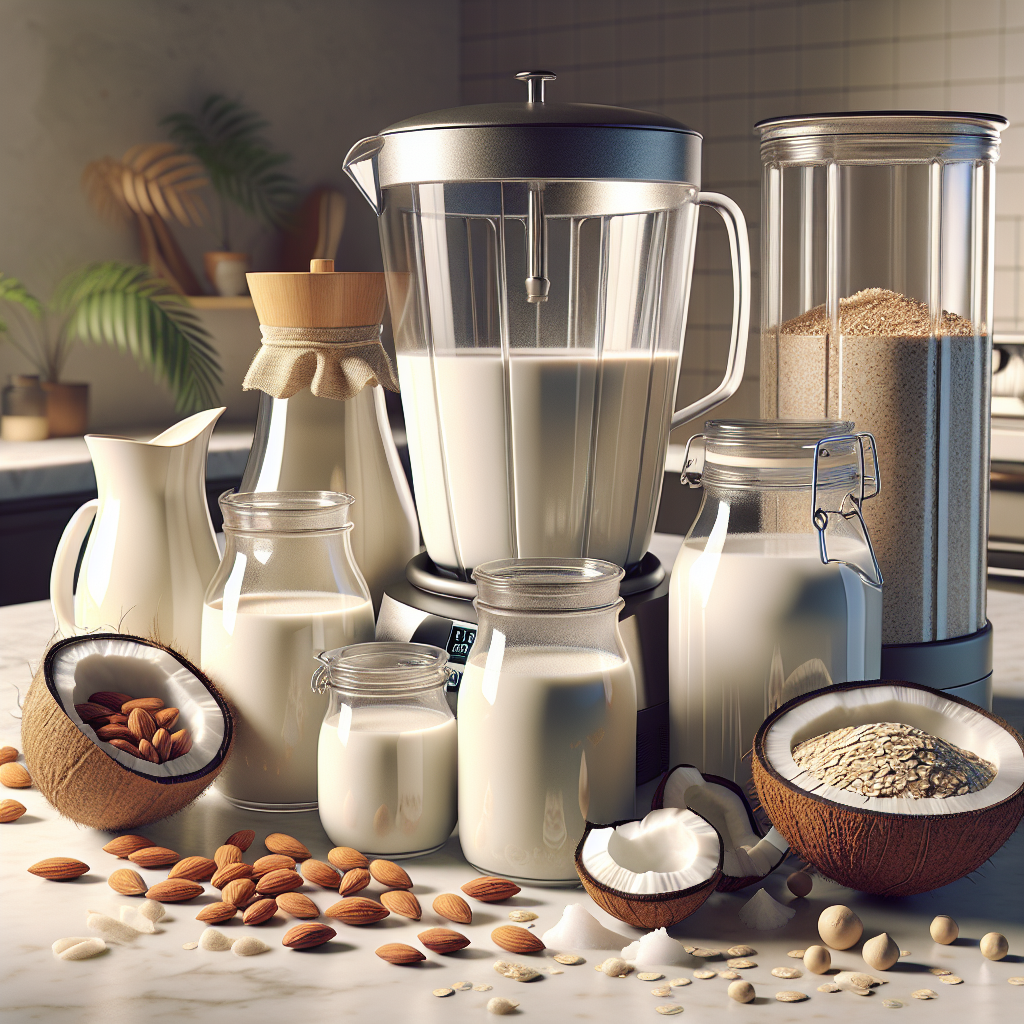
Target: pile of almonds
(140,726)
(13,775)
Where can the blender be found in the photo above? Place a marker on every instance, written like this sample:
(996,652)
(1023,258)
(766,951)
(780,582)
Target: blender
(877,265)
(538,258)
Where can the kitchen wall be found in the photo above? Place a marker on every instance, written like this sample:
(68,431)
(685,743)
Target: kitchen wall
(85,80)
(720,67)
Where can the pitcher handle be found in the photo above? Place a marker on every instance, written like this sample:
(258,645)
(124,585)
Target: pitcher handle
(62,575)
(739,247)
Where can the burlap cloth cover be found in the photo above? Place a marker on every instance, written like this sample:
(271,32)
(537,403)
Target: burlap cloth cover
(333,362)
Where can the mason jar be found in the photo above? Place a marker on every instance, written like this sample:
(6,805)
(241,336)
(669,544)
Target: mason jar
(287,588)
(387,749)
(775,590)
(547,716)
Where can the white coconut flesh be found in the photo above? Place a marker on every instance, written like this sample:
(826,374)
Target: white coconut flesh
(125,666)
(744,853)
(670,850)
(921,709)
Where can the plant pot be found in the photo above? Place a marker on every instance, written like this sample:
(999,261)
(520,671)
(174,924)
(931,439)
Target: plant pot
(67,408)
(226,271)
(24,410)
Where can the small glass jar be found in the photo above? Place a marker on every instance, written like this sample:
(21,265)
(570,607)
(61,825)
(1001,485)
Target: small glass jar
(775,591)
(24,410)
(286,589)
(547,716)
(387,750)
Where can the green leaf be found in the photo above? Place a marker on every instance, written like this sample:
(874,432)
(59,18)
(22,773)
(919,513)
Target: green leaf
(12,290)
(129,308)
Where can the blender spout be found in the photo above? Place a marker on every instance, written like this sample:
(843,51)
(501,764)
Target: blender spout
(361,165)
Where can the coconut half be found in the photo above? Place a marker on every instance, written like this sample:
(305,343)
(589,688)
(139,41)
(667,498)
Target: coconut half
(891,846)
(654,872)
(97,784)
(748,854)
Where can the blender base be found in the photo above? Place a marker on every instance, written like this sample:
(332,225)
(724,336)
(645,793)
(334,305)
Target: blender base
(962,665)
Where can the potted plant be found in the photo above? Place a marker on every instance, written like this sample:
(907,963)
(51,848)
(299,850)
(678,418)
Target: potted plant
(118,304)
(226,139)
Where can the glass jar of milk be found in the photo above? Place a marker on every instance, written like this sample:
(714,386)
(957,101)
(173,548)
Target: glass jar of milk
(547,716)
(287,588)
(388,749)
(775,591)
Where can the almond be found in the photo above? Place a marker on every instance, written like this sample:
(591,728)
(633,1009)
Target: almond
(59,869)
(240,892)
(272,862)
(227,854)
(127,882)
(148,751)
(10,810)
(275,882)
(125,846)
(88,711)
(150,705)
(357,910)
(8,754)
(399,953)
(354,880)
(443,940)
(116,732)
(289,846)
(488,889)
(126,745)
(230,873)
(217,913)
(141,724)
(15,776)
(319,873)
(243,838)
(306,936)
(297,904)
(117,718)
(95,723)
(402,902)
(516,939)
(260,911)
(162,741)
(344,858)
(165,718)
(388,873)
(181,743)
(109,699)
(197,869)
(453,907)
(153,857)
(174,890)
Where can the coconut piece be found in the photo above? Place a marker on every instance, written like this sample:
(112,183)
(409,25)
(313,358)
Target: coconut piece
(944,929)
(132,917)
(905,847)
(249,945)
(78,948)
(110,928)
(764,913)
(748,855)
(577,928)
(152,909)
(615,967)
(994,946)
(817,959)
(100,785)
(880,952)
(839,927)
(654,872)
(658,947)
(741,991)
(214,940)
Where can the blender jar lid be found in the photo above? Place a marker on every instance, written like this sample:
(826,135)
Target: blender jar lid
(882,122)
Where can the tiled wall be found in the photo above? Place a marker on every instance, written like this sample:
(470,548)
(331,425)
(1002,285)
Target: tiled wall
(721,66)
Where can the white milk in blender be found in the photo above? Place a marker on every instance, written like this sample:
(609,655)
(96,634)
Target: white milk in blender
(388,778)
(754,622)
(547,740)
(262,652)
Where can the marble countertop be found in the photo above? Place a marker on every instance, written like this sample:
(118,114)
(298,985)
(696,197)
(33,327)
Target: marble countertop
(155,980)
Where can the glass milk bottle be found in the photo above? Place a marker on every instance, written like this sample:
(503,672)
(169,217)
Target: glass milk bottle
(287,588)
(388,749)
(775,591)
(547,716)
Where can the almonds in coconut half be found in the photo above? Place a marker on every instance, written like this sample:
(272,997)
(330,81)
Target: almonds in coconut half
(677,851)
(889,846)
(93,782)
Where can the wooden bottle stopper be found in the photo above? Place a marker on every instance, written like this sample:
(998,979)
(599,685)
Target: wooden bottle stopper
(321,298)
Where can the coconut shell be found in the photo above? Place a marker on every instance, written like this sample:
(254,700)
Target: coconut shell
(81,780)
(872,851)
(644,910)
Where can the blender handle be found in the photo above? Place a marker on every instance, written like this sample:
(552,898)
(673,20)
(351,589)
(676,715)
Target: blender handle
(739,246)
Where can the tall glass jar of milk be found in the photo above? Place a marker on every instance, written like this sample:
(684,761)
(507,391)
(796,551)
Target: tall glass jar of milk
(388,749)
(287,589)
(547,716)
(775,591)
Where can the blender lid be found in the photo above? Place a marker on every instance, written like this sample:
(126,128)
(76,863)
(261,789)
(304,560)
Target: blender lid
(883,122)
(536,140)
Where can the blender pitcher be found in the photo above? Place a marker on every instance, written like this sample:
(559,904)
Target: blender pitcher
(538,260)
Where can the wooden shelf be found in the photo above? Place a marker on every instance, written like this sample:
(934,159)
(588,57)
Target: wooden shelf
(220,301)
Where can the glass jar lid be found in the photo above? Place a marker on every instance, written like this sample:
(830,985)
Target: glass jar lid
(286,511)
(548,584)
(380,669)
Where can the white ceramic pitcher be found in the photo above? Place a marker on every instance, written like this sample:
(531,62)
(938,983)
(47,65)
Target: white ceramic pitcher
(152,549)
